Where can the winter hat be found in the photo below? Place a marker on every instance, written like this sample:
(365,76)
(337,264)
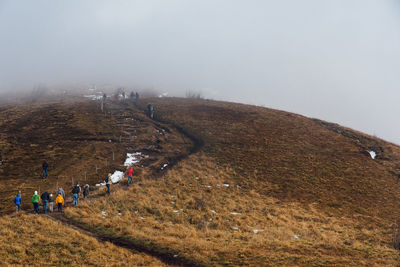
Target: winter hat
(35,192)
(109,174)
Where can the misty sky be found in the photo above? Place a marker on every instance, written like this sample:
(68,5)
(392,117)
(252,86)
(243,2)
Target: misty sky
(336,60)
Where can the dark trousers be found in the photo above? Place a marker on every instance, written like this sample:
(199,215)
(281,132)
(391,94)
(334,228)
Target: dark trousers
(36,207)
(59,205)
(108,188)
(44,206)
(44,173)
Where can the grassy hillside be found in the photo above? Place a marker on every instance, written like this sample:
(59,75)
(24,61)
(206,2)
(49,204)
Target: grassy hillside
(268,188)
(36,241)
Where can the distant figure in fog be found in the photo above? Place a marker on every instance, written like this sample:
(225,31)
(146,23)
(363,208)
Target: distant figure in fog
(137,96)
(45,165)
(132,96)
(35,202)
(60,202)
(51,202)
(150,109)
(17,202)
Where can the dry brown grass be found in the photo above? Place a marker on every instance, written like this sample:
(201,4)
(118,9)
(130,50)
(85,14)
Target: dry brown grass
(32,240)
(182,213)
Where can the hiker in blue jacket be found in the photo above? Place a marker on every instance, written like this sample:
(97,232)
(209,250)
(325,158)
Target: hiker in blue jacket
(18,201)
(45,165)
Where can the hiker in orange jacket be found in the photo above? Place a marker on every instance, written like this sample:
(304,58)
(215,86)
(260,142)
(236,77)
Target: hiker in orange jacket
(130,173)
(60,202)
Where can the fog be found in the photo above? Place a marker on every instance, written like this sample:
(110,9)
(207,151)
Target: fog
(330,59)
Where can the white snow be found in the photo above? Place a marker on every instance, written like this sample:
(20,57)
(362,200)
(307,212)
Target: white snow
(256,231)
(104,213)
(208,186)
(132,158)
(163,95)
(213,211)
(226,185)
(94,97)
(115,178)
(372,153)
(165,165)
(296,236)
(235,213)
(235,228)
(177,211)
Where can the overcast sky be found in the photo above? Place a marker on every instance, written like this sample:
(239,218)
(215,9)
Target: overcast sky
(330,59)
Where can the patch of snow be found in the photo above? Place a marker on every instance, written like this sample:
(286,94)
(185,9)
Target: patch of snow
(238,186)
(177,211)
(235,228)
(213,211)
(141,218)
(163,95)
(235,213)
(132,158)
(372,153)
(190,184)
(208,186)
(256,231)
(197,178)
(175,256)
(104,213)
(119,213)
(164,166)
(226,185)
(117,176)
(296,236)
(93,97)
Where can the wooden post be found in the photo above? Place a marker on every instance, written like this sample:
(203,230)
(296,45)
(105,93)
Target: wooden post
(113,156)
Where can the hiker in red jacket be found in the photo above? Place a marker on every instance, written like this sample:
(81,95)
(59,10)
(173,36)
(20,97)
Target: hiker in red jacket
(130,173)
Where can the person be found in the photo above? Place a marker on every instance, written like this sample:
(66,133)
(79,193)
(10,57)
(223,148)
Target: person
(45,199)
(137,96)
(60,202)
(60,191)
(132,96)
(150,110)
(51,202)
(86,191)
(108,182)
(17,201)
(130,173)
(45,165)
(75,192)
(35,202)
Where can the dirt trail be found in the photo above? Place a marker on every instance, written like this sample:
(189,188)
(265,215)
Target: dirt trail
(122,112)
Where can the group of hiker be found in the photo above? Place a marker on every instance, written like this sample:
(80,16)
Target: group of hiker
(47,199)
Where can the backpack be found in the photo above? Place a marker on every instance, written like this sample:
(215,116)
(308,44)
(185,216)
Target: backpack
(106,180)
(75,190)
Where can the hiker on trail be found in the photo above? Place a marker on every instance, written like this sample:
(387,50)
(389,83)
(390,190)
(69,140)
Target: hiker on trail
(86,191)
(130,173)
(75,194)
(45,165)
(132,96)
(150,109)
(108,183)
(17,202)
(51,202)
(35,202)
(45,199)
(137,96)
(60,202)
(60,191)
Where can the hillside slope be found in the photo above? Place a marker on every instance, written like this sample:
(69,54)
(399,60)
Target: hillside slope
(267,188)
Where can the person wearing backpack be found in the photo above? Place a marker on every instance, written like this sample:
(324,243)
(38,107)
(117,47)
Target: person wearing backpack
(35,202)
(75,192)
(108,183)
(130,173)
(60,202)
(45,199)
(17,202)
(45,166)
